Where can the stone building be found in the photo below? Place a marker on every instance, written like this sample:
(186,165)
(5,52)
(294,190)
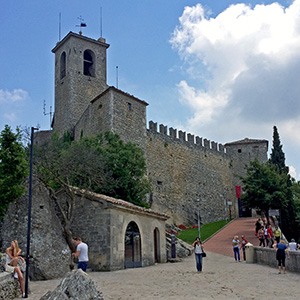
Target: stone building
(119,234)
(181,167)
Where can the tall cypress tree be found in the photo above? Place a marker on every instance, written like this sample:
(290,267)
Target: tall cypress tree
(277,155)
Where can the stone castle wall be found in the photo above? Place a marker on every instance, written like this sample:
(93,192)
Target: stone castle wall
(183,170)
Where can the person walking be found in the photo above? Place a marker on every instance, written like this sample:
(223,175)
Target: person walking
(277,234)
(280,255)
(81,253)
(243,246)
(261,237)
(270,235)
(199,250)
(236,250)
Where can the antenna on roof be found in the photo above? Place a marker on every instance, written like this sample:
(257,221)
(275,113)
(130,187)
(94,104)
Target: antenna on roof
(59,27)
(82,24)
(101,21)
(49,113)
(117,79)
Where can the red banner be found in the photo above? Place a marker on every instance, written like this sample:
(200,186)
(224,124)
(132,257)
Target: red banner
(238,191)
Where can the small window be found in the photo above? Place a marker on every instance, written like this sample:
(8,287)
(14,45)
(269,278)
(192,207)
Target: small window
(239,150)
(63,65)
(89,63)
(129,106)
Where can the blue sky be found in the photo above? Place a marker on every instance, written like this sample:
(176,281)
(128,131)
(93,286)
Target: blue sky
(222,70)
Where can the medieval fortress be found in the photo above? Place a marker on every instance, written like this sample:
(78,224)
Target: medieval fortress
(184,170)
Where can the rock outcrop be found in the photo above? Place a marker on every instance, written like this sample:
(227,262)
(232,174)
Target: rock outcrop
(76,285)
(50,255)
(182,248)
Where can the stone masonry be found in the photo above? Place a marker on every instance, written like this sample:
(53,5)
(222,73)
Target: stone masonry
(181,167)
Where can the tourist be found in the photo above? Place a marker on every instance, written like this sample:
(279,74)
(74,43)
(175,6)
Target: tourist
(266,235)
(280,255)
(293,245)
(198,253)
(11,266)
(236,250)
(261,237)
(81,253)
(257,226)
(277,234)
(243,246)
(270,236)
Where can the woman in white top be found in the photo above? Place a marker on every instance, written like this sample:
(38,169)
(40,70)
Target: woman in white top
(12,256)
(198,253)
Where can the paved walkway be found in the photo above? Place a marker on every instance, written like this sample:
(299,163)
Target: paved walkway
(221,242)
(222,278)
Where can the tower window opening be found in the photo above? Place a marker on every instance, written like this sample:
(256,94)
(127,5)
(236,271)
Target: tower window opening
(88,63)
(63,65)
(129,106)
(239,150)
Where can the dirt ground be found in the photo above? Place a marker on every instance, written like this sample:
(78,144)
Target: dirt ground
(222,278)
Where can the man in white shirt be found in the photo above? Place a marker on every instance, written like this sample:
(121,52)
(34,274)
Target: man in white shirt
(293,245)
(82,254)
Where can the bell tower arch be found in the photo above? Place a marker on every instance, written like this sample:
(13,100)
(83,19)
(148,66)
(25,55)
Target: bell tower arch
(80,76)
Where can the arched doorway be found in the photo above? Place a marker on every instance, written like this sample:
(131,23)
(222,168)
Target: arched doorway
(133,256)
(156,246)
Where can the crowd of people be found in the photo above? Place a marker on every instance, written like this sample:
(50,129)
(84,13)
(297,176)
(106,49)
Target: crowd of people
(267,238)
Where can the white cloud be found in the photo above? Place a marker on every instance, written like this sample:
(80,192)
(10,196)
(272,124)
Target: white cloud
(250,58)
(11,117)
(15,96)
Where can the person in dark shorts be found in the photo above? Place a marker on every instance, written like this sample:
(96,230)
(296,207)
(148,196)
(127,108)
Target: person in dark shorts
(81,253)
(280,255)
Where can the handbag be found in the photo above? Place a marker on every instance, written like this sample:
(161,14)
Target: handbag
(203,254)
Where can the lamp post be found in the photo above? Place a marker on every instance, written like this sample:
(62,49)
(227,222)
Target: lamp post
(198,217)
(29,213)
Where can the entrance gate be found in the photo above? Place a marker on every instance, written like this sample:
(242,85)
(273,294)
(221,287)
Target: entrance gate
(133,257)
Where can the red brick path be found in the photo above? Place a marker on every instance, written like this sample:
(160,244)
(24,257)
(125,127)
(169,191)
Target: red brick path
(221,242)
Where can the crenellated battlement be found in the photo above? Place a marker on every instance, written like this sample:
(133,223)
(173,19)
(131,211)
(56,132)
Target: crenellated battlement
(187,138)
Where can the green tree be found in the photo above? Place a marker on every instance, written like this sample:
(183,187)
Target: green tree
(13,167)
(264,187)
(277,155)
(102,164)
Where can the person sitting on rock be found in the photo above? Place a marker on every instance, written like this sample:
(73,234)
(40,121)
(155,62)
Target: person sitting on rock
(12,258)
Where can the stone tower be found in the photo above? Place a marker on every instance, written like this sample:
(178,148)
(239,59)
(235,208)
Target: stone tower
(80,75)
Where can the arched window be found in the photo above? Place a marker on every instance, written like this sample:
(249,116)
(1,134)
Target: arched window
(89,63)
(133,256)
(63,65)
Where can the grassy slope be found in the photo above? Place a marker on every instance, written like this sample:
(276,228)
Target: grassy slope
(206,231)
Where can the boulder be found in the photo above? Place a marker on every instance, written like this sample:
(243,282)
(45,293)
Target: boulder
(76,285)
(50,256)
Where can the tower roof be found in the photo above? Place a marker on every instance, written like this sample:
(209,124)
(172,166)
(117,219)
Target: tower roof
(100,41)
(246,141)
(112,88)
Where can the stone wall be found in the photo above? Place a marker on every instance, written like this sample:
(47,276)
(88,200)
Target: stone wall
(102,221)
(115,111)
(267,256)
(181,171)
(9,287)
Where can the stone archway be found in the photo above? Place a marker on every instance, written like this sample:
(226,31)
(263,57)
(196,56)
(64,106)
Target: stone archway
(133,253)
